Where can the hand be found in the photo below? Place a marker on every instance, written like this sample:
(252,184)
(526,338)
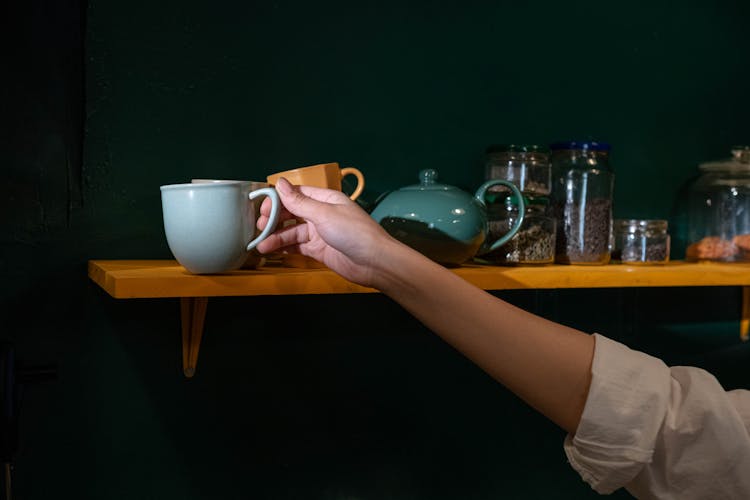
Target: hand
(330,228)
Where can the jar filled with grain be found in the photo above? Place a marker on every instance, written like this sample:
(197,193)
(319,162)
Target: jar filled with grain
(527,166)
(719,210)
(534,243)
(582,195)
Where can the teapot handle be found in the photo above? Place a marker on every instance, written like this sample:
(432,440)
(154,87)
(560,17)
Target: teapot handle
(480,194)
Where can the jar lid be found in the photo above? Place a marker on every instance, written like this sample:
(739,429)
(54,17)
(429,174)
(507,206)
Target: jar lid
(585,145)
(739,161)
(632,225)
(516,148)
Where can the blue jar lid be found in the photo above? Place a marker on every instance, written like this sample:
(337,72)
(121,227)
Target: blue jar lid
(585,145)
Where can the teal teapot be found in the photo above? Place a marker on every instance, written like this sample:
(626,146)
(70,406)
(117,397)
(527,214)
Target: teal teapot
(443,222)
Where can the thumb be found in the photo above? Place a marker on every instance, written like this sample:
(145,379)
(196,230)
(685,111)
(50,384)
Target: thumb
(296,202)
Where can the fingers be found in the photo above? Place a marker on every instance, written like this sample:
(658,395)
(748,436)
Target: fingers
(299,203)
(308,202)
(293,196)
(324,195)
(289,238)
(265,211)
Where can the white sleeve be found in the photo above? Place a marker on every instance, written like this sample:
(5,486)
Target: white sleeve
(660,432)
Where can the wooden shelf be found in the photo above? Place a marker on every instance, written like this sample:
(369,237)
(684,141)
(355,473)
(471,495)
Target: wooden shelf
(129,279)
(126,279)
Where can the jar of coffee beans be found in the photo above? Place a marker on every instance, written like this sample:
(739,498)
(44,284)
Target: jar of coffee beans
(640,241)
(582,193)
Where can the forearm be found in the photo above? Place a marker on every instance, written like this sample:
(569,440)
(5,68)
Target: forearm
(546,364)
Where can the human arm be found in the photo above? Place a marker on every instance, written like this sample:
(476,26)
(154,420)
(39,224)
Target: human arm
(633,422)
(546,364)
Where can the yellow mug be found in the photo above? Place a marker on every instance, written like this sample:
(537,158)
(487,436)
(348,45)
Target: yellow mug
(325,175)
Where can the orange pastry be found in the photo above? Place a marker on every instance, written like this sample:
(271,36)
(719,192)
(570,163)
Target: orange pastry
(712,248)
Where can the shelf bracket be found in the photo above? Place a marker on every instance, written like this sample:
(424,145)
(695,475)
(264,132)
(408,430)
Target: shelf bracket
(745,320)
(193,316)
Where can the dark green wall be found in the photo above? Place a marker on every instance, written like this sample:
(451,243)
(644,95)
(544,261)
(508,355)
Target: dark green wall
(109,100)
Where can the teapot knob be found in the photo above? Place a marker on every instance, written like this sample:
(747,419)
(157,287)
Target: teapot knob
(428,176)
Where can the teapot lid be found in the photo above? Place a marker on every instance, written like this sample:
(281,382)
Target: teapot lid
(428,182)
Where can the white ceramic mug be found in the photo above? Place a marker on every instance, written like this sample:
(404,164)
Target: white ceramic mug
(254,258)
(210,226)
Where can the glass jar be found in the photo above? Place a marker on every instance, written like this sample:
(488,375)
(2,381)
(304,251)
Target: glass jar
(582,192)
(640,241)
(719,210)
(534,243)
(526,166)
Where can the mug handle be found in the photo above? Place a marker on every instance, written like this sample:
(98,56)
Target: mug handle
(360,180)
(480,194)
(273,218)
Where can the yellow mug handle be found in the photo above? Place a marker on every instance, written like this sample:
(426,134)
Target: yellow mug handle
(360,180)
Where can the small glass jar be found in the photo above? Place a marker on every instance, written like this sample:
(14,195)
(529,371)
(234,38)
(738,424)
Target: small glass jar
(640,241)
(582,193)
(534,243)
(526,166)
(719,210)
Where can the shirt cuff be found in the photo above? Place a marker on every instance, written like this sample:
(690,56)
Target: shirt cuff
(625,407)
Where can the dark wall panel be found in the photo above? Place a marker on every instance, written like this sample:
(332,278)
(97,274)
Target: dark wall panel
(105,101)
